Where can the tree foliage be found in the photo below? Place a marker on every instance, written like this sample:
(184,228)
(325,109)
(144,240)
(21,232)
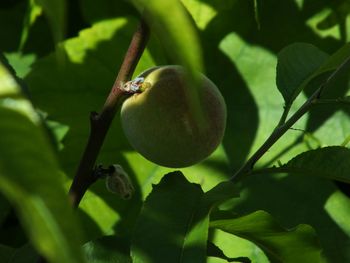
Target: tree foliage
(283,69)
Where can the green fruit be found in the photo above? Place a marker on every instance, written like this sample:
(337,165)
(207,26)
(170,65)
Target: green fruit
(160,126)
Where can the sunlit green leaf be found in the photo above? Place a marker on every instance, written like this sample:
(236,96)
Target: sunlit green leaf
(236,247)
(215,251)
(59,131)
(201,12)
(33,12)
(21,63)
(256,12)
(279,244)
(338,15)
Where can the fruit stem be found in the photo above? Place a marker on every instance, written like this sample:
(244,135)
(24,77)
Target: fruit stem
(100,122)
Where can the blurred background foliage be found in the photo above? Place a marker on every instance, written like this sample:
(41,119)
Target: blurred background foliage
(69,59)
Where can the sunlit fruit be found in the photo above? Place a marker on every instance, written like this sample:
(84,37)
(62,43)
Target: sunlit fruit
(160,124)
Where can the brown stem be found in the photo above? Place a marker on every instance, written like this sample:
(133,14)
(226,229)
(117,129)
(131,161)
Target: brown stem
(100,123)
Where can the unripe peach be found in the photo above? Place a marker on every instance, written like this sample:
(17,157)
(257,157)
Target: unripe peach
(159,124)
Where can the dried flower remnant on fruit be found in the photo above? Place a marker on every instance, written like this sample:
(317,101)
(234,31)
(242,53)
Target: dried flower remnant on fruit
(136,85)
(118,182)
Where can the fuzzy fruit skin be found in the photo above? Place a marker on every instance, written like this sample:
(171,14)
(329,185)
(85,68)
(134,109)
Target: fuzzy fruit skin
(159,125)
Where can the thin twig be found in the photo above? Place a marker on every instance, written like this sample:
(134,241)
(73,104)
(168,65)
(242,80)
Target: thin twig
(273,138)
(284,115)
(100,123)
(285,126)
(338,101)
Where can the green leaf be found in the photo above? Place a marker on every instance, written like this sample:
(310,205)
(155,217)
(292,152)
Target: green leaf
(335,60)
(11,23)
(329,162)
(33,12)
(59,131)
(236,247)
(256,13)
(6,253)
(173,223)
(280,245)
(30,178)
(21,63)
(337,16)
(170,226)
(296,63)
(4,209)
(220,193)
(176,31)
(295,199)
(24,254)
(55,10)
(105,9)
(215,251)
(107,249)
(202,13)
